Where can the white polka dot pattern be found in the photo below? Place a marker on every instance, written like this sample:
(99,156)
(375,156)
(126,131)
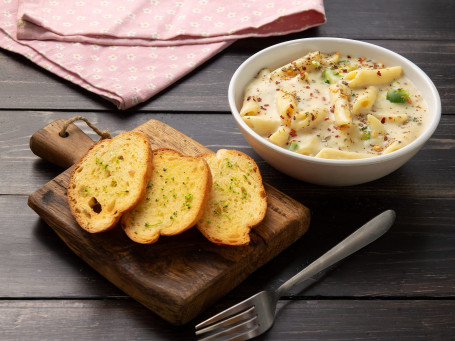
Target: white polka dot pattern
(129,50)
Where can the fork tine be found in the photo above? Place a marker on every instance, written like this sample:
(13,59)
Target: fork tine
(239,307)
(247,327)
(243,315)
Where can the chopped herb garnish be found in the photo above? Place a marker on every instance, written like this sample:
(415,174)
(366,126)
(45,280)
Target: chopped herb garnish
(152,225)
(366,135)
(330,76)
(293,146)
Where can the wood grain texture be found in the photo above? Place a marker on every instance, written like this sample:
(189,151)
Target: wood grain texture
(399,288)
(428,174)
(414,259)
(296,320)
(62,151)
(177,277)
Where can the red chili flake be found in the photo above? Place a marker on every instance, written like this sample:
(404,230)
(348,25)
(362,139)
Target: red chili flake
(345,70)
(304,68)
(248,98)
(324,99)
(292,107)
(311,94)
(390,118)
(328,129)
(307,87)
(349,56)
(385,138)
(313,117)
(259,99)
(266,105)
(383,120)
(337,136)
(326,119)
(277,82)
(379,73)
(282,117)
(293,133)
(332,109)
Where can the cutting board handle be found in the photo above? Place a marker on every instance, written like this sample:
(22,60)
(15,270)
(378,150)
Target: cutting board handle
(61,151)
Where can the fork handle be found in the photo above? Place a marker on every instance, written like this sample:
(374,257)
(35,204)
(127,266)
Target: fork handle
(366,234)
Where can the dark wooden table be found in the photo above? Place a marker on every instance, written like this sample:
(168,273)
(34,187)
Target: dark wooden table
(401,287)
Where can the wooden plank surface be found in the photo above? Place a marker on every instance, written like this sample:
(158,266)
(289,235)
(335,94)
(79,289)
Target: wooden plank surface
(422,192)
(296,320)
(426,175)
(414,259)
(400,288)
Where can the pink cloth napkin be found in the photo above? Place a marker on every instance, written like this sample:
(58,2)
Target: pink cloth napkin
(129,50)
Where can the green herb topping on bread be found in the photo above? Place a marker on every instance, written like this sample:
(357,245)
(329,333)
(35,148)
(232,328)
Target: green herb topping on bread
(237,201)
(109,180)
(175,197)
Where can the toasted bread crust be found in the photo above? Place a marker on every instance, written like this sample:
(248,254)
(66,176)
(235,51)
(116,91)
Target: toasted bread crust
(175,197)
(109,180)
(238,200)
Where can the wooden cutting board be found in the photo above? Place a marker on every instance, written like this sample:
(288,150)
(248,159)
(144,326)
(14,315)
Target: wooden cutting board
(180,276)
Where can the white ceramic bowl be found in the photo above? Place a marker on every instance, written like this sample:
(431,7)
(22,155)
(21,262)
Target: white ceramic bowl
(324,171)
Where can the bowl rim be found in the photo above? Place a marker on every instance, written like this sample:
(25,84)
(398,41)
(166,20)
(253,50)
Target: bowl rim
(413,146)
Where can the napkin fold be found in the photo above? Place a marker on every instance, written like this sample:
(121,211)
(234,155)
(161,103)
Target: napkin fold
(129,50)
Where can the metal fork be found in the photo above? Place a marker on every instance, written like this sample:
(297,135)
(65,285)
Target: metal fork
(256,314)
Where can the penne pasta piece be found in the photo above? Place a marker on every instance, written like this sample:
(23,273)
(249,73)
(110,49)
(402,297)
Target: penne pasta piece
(366,77)
(376,126)
(286,106)
(364,102)
(330,60)
(307,119)
(339,99)
(281,136)
(262,125)
(304,64)
(307,146)
(250,106)
(395,118)
(395,145)
(330,153)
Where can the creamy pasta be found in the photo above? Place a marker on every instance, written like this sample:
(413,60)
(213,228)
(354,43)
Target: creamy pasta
(335,106)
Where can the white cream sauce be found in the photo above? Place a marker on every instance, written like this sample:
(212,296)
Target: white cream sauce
(312,92)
